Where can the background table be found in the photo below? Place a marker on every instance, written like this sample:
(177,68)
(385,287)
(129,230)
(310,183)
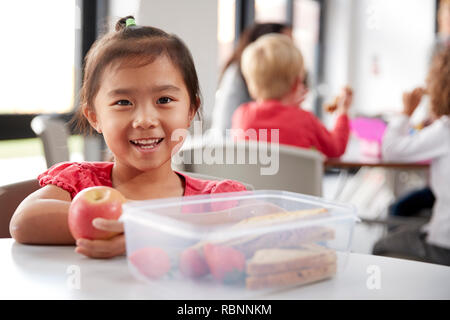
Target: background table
(45,272)
(354,158)
(400,177)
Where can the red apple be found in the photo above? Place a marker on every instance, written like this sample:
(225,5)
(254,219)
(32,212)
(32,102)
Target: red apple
(91,203)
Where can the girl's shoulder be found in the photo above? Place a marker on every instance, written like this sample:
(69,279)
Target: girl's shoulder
(195,186)
(75,176)
(69,168)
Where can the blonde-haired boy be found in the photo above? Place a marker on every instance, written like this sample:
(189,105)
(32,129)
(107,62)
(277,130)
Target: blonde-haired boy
(272,66)
(273,69)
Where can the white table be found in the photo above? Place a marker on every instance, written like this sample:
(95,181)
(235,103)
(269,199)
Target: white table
(46,272)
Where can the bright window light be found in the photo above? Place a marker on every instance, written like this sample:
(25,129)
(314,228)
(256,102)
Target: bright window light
(37,58)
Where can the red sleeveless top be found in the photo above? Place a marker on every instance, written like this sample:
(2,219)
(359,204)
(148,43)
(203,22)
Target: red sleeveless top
(76,176)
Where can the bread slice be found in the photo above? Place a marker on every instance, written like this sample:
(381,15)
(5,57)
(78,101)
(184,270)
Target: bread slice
(291,278)
(293,238)
(271,261)
(281,217)
(228,216)
(289,238)
(270,268)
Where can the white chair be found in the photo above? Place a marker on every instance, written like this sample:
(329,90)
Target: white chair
(264,166)
(54,136)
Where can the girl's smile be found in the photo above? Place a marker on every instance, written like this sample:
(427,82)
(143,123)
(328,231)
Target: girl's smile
(147,144)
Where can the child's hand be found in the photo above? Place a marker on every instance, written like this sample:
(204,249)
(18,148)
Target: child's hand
(342,102)
(411,100)
(103,248)
(345,99)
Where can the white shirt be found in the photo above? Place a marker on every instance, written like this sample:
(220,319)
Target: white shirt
(431,143)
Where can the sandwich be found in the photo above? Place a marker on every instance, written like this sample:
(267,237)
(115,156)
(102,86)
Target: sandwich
(285,238)
(272,268)
(281,217)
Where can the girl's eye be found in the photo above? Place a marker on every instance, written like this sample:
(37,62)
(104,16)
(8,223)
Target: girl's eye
(164,100)
(123,103)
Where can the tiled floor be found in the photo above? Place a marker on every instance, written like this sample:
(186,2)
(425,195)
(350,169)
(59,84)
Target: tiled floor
(365,235)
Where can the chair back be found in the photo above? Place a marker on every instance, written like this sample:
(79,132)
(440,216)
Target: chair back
(11,196)
(54,135)
(263,165)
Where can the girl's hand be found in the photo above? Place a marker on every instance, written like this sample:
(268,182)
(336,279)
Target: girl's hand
(103,248)
(342,102)
(345,99)
(411,100)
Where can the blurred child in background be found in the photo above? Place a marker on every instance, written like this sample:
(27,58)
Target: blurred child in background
(431,242)
(232,90)
(274,72)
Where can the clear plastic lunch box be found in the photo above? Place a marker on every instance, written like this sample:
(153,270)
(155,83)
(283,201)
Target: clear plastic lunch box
(236,245)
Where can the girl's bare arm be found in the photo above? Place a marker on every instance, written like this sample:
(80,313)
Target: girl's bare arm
(41,218)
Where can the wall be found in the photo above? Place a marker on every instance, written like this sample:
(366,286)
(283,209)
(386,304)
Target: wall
(120,8)
(380,47)
(337,45)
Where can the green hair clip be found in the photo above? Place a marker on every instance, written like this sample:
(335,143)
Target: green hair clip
(130,22)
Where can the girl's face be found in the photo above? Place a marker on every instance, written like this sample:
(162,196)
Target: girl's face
(138,108)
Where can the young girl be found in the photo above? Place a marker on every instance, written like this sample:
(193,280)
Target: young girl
(140,85)
(431,243)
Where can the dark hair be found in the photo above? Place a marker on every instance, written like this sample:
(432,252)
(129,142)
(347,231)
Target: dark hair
(248,36)
(140,45)
(438,83)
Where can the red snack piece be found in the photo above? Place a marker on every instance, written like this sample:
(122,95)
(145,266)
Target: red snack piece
(226,264)
(151,262)
(192,264)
